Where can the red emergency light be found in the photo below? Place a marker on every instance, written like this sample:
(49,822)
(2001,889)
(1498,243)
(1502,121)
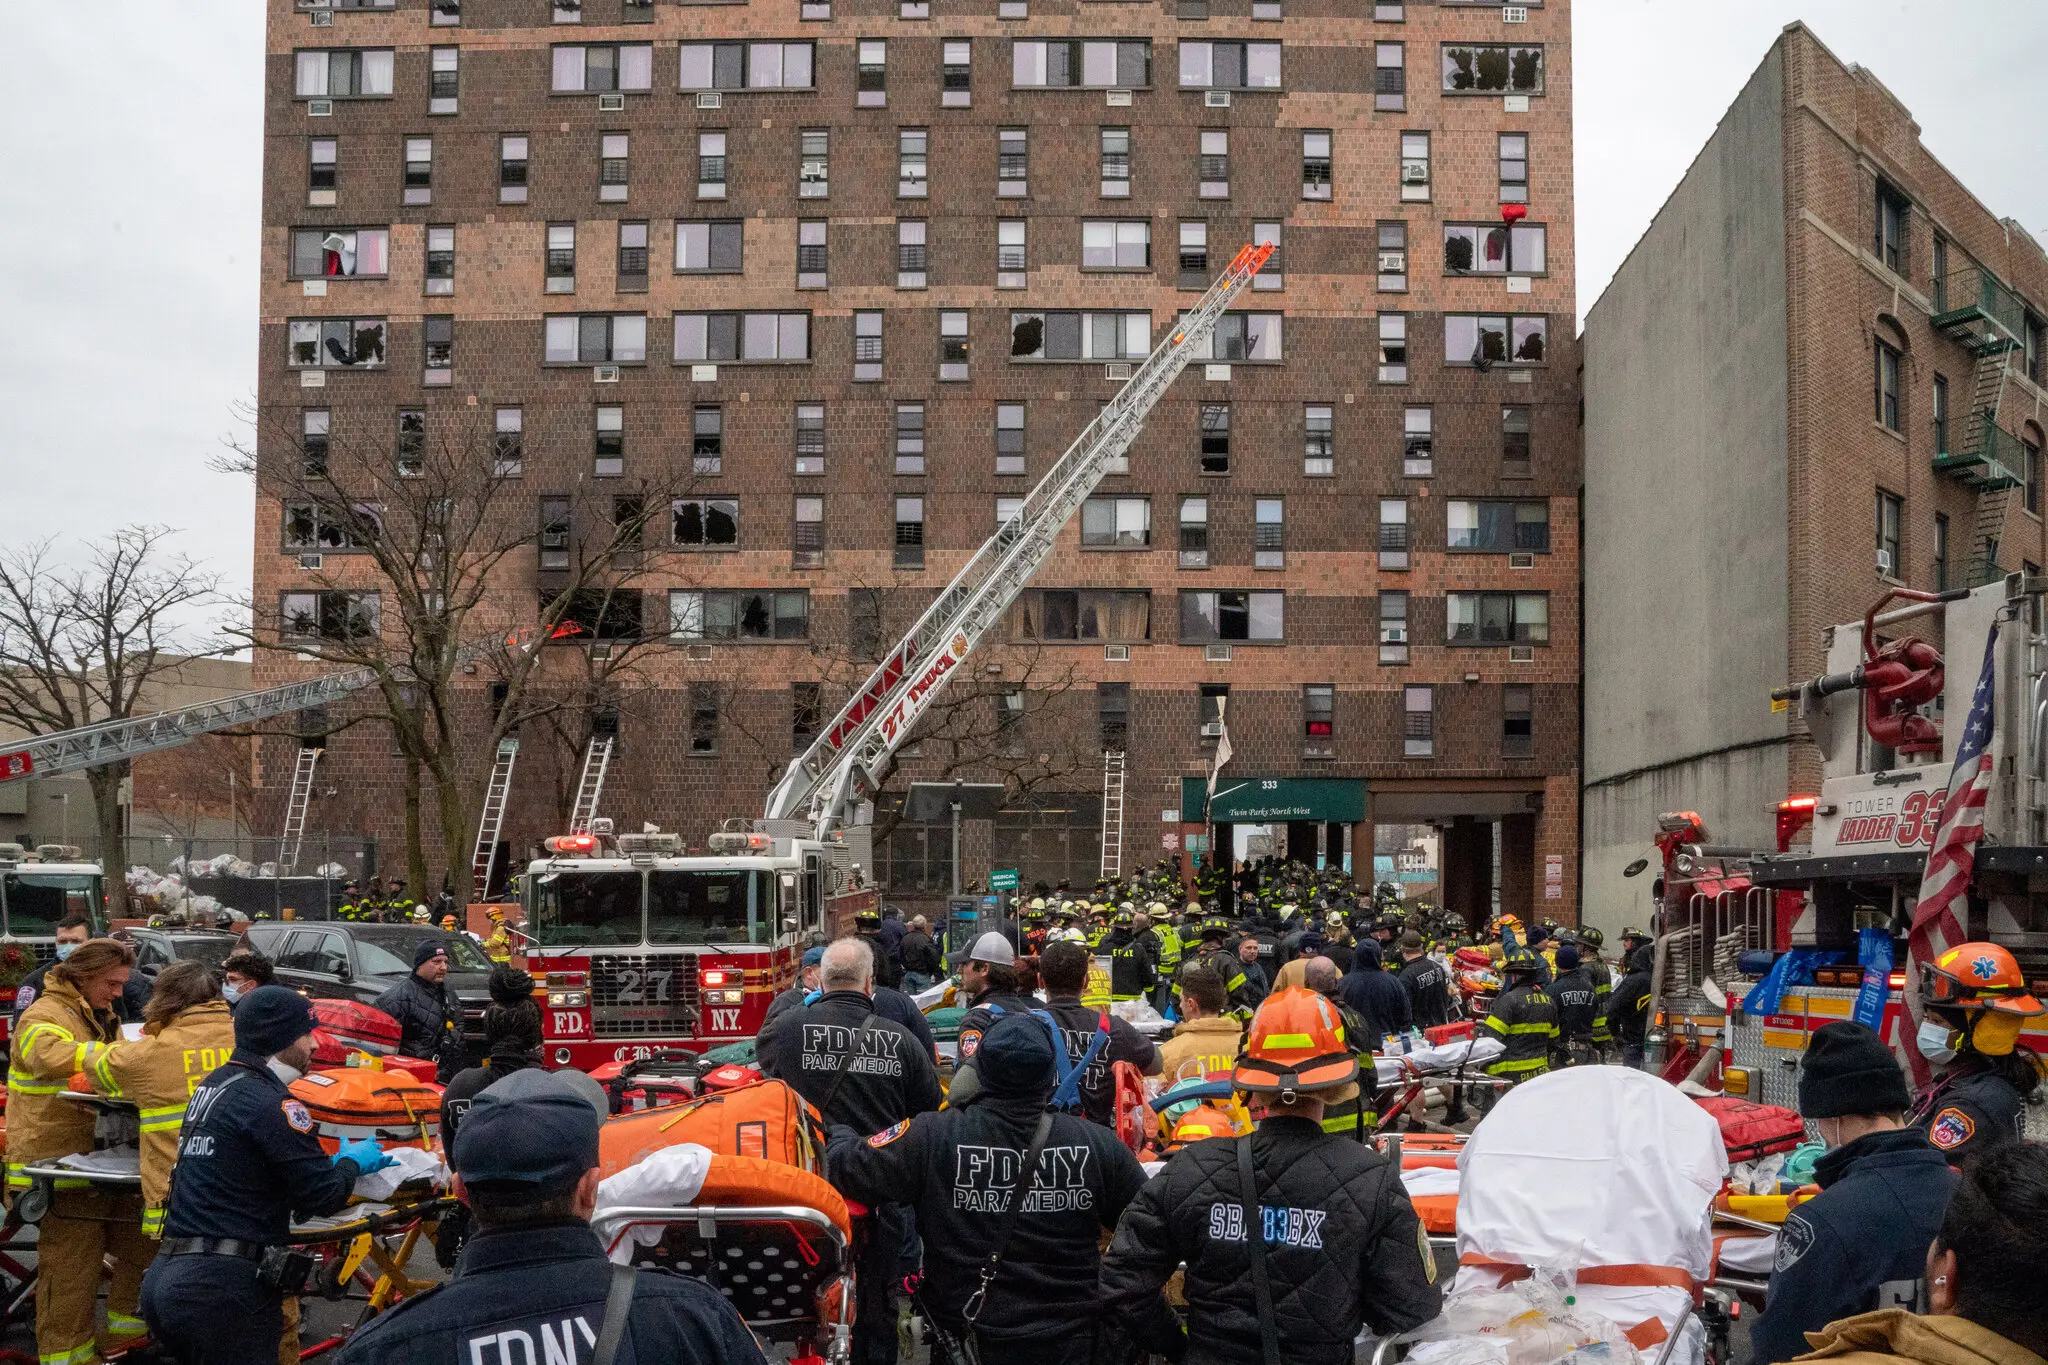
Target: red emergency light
(718,977)
(573,845)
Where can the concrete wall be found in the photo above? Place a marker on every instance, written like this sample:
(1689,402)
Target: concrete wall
(1686,541)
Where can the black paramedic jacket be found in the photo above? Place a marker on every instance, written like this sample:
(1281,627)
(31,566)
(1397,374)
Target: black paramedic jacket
(1079,1025)
(890,1075)
(1428,983)
(1343,1247)
(525,1296)
(1969,1111)
(248,1162)
(889,1004)
(981,1017)
(958,1168)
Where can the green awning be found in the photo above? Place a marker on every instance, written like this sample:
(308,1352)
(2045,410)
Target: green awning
(1274,800)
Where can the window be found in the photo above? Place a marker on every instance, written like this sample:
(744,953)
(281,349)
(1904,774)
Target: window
(1269,533)
(1010,253)
(913,162)
(568,11)
(755,338)
(1194,533)
(1514,440)
(810,438)
(1941,583)
(1393,348)
(312,526)
(1249,337)
(601,67)
(1212,701)
(1415,167)
(698,523)
(636,11)
(1318,715)
(1230,66)
(1194,255)
(1215,438)
(1492,69)
(1938,282)
(337,616)
(629,528)
(632,278)
(1315,163)
(1517,728)
(1318,452)
(952,345)
(561,258)
(910,533)
(1514,168)
(1497,618)
(1116,163)
(1212,166)
(2030,458)
(604,613)
(1418,443)
(1483,249)
(1892,210)
(1113,715)
(910,253)
(315,424)
(1008,509)
(341,253)
(806,713)
(1484,341)
(707,439)
(418,183)
(814,163)
(956,71)
(321,178)
(508,443)
(1087,615)
(871,75)
(597,339)
(807,538)
(1013,163)
(512,169)
(1418,729)
(1066,63)
(1393,533)
(703,718)
(440,267)
(744,66)
(610,442)
(444,13)
(909,428)
(1887,386)
(410,454)
(336,343)
(867,345)
(1116,523)
(864,622)
(1390,76)
(554,533)
(1080,336)
(711,165)
(710,248)
(1206,616)
(1941,414)
(1116,245)
(614,167)
(1390,11)
(1498,527)
(1272,275)
(1393,614)
(339,73)
(812,255)
(1393,258)
(437,336)
(1009,438)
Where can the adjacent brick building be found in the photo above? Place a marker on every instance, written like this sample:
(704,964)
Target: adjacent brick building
(872,264)
(1817,377)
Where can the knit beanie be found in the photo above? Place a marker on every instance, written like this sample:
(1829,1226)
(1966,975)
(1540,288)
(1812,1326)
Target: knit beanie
(1015,1057)
(1848,1070)
(270,1019)
(1567,958)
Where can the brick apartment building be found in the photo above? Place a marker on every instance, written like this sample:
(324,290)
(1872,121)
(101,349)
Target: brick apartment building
(1823,346)
(872,264)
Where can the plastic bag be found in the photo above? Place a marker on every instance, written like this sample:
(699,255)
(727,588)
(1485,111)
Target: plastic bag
(1539,1321)
(411,1164)
(1137,1012)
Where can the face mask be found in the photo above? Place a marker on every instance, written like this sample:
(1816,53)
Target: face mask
(65,950)
(230,992)
(285,1073)
(1934,1038)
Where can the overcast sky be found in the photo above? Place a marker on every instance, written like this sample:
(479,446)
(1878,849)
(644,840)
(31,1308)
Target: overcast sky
(129,200)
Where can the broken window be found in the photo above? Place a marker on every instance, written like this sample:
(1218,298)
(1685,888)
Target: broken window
(1492,68)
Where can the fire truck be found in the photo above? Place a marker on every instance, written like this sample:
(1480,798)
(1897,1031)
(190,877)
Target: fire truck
(1884,717)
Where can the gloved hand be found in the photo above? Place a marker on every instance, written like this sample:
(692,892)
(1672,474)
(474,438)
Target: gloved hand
(366,1154)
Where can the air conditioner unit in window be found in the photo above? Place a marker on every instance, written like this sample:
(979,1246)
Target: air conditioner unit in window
(1212,729)
(1393,635)
(710,99)
(611,103)
(1514,14)
(1884,561)
(1393,263)
(310,563)
(1521,654)
(1117,370)
(1522,559)
(1216,99)
(319,108)
(1415,172)
(1216,654)
(322,18)
(1116,654)
(697,654)
(1119,99)
(604,374)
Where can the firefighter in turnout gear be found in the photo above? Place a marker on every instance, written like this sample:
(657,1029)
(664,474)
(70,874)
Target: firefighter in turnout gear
(1524,1017)
(1167,954)
(1581,1016)
(1219,955)
(68,1029)
(1976,1001)
(498,946)
(1132,967)
(1293,1238)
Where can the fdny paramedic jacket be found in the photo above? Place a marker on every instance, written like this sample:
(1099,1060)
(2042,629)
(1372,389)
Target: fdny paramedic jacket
(889,1074)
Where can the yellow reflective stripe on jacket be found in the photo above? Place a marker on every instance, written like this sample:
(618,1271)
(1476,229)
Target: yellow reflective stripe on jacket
(24,1084)
(153,1222)
(1550,1029)
(122,1323)
(77,1355)
(41,1027)
(1528,1064)
(103,1074)
(1495,1024)
(162,1120)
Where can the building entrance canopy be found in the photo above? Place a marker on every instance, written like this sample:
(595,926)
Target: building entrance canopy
(1274,800)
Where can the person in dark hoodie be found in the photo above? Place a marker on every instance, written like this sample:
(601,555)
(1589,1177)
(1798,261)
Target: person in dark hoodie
(1628,1008)
(511,1041)
(1376,994)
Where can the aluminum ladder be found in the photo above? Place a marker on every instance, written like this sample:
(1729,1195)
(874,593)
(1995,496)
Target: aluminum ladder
(492,824)
(1112,814)
(597,761)
(295,807)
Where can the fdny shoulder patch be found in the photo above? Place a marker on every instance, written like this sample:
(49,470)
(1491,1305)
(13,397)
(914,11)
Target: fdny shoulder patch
(1795,1239)
(969,1043)
(1951,1129)
(1428,1252)
(24,996)
(889,1134)
(295,1114)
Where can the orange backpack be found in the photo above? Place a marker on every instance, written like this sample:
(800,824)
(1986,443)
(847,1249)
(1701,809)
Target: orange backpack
(767,1120)
(395,1108)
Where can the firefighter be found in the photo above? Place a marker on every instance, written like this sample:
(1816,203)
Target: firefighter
(1033,920)
(1631,940)
(1338,1245)
(1628,1009)
(398,906)
(1352,1110)
(1524,1017)
(1427,982)
(1167,954)
(1206,1039)
(1063,968)
(867,927)
(1220,956)
(67,1030)
(1976,1001)
(1581,1026)
(429,1015)
(498,945)
(350,908)
(1132,968)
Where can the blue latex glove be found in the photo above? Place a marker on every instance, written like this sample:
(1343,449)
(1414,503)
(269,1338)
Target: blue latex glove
(366,1154)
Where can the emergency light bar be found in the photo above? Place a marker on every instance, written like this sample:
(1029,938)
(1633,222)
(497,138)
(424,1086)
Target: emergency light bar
(738,841)
(650,843)
(573,845)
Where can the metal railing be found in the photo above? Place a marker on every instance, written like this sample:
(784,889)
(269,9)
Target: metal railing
(1981,309)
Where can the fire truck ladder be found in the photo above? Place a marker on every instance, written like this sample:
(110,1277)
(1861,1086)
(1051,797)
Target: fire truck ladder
(1112,814)
(496,797)
(597,761)
(295,808)
(851,756)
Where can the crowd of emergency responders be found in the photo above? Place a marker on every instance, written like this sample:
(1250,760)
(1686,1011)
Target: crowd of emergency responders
(1259,1117)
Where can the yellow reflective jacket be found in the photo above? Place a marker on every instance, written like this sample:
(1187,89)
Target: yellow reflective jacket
(56,1036)
(498,947)
(158,1071)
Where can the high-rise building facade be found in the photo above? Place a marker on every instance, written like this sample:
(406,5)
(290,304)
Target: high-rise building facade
(810,292)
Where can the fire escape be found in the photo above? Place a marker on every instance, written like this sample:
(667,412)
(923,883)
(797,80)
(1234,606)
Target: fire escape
(1989,320)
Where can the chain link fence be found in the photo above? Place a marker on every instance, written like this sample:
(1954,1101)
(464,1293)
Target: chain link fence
(247,874)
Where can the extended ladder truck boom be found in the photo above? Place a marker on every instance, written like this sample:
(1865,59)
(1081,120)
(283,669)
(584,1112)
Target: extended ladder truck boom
(850,756)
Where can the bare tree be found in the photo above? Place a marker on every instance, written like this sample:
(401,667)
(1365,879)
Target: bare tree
(84,643)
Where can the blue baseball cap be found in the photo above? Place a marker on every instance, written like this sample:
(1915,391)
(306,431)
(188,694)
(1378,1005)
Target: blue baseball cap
(814,955)
(533,1129)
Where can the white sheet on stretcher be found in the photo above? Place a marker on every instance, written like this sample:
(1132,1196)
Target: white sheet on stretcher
(410,1164)
(113,1161)
(1750,1255)
(671,1178)
(1475,1052)
(1420,1180)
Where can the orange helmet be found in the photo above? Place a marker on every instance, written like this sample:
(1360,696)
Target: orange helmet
(447,921)
(1979,976)
(1296,1045)
(1202,1121)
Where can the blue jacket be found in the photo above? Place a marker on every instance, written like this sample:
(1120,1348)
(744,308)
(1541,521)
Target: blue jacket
(537,1294)
(1860,1245)
(248,1160)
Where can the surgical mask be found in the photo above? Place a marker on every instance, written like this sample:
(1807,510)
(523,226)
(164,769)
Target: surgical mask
(1934,1038)
(230,992)
(65,950)
(285,1073)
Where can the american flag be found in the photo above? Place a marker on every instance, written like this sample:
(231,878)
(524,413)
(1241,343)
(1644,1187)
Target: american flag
(1946,881)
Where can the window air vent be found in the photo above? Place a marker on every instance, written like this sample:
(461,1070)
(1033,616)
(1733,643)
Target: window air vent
(710,99)
(1216,99)
(1522,559)
(322,18)
(697,654)
(1119,370)
(1116,654)
(604,374)
(1216,654)
(1119,99)
(612,103)
(319,108)
(1521,654)
(310,563)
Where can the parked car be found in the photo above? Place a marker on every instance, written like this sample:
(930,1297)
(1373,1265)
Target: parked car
(156,949)
(362,961)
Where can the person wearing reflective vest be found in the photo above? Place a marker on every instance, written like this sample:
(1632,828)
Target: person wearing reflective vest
(67,1030)
(1167,951)
(1132,968)
(498,945)
(1219,955)
(1524,1017)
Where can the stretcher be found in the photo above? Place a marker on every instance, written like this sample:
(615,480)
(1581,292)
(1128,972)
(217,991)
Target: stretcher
(367,1250)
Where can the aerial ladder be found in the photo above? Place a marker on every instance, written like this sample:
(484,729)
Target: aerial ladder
(1112,814)
(491,824)
(849,758)
(296,805)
